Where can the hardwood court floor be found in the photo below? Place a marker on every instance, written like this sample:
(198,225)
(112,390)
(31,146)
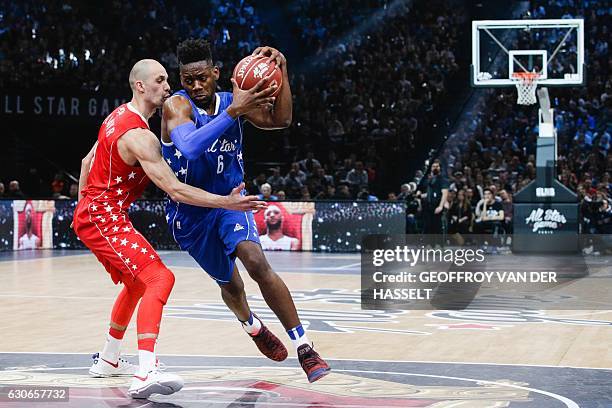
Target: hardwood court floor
(55,307)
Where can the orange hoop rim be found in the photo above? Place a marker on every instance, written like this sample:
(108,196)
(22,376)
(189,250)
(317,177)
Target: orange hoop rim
(525,76)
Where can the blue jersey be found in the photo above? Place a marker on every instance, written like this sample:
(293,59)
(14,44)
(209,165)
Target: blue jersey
(218,170)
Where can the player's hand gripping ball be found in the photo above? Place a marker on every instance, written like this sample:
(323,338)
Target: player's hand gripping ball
(250,70)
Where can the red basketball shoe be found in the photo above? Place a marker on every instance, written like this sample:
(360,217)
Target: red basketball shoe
(314,366)
(270,345)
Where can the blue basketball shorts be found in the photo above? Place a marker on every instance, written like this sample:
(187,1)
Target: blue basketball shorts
(222,231)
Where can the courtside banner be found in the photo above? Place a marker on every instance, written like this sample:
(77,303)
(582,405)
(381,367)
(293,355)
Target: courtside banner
(284,226)
(436,272)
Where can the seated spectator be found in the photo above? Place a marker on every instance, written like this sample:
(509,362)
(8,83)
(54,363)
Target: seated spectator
(404,192)
(14,191)
(343,192)
(259,181)
(307,164)
(281,195)
(276,180)
(357,177)
(460,214)
(491,216)
(293,181)
(266,193)
(364,194)
(74,191)
(305,194)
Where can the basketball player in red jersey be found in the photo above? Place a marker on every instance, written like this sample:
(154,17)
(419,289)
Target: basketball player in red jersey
(115,173)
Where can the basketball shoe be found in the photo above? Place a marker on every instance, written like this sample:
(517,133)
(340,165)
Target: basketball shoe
(102,368)
(314,366)
(155,382)
(270,345)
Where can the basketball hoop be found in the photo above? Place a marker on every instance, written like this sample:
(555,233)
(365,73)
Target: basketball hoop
(526,84)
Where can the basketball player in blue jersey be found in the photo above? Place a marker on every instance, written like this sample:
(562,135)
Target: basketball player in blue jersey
(202,135)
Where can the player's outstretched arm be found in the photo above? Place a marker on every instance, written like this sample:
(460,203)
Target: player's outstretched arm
(144,147)
(280,116)
(85,167)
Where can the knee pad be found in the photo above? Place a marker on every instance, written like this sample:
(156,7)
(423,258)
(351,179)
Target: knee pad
(159,280)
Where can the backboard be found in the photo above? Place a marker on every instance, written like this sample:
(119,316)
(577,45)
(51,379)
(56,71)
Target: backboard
(553,48)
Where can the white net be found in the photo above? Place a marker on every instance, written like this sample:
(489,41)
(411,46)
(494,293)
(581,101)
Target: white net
(526,84)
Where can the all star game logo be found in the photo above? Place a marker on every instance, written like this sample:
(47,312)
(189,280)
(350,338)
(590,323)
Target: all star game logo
(545,221)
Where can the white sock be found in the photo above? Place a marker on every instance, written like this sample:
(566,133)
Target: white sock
(252,326)
(112,349)
(146,362)
(298,336)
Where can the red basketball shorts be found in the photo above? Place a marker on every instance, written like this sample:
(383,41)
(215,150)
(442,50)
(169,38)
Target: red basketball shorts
(110,235)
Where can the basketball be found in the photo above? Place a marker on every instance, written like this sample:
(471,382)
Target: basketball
(252,69)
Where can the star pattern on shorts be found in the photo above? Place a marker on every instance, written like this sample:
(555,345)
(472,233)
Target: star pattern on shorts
(126,229)
(143,250)
(169,161)
(108,208)
(131,175)
(124,242)
(118,179)
(115,239)
(127,261)
(177,153)
(119,191)
(183,171)
(134,267)
(114,218)
(115,228)
(94,207)
(152,256)
(135,246)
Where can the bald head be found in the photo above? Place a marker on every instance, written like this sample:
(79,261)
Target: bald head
(143,70)
(149,82)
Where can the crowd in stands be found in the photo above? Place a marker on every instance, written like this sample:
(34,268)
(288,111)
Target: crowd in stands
(360,94)
(364,94)
(93,45)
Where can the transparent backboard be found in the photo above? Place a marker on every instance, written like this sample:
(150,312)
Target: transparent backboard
(552,48)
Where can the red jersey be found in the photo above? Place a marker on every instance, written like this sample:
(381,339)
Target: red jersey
(110,180)
(101,219)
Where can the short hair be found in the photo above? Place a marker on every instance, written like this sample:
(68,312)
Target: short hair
(487,189)
(193,50)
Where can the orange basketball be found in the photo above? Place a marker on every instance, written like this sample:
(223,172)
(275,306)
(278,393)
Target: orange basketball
(252,69)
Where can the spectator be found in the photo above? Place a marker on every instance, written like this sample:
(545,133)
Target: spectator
(305,194)
(266,193)
(276,180)
(1,189)
(307,164)
(343,192)
(460,215)
(293,181)
(491,216)
(74,191)
(506,201)
(357,178)
(14,191)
